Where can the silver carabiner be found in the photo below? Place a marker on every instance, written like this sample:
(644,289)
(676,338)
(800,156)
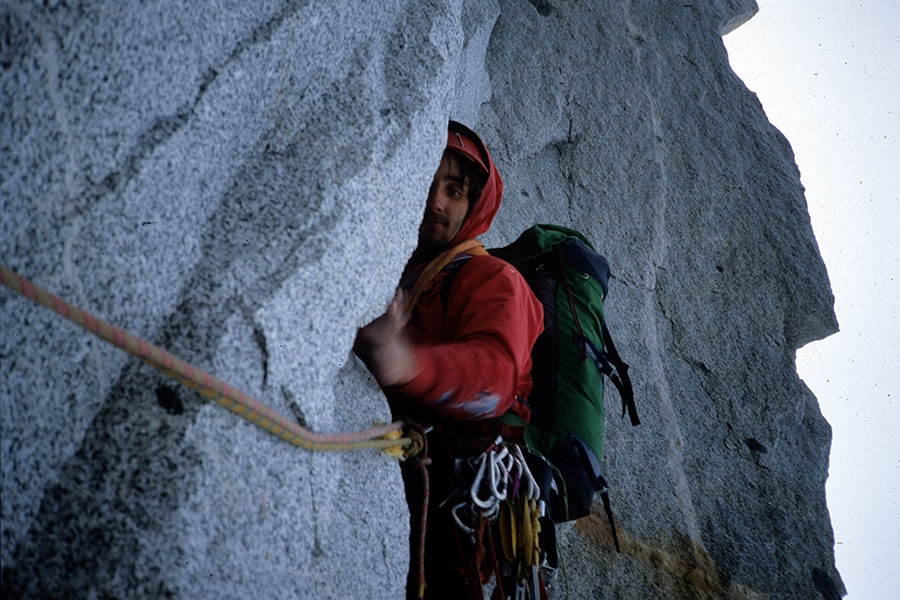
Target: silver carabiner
(532,489)
(520,591)
(499,474)
(476,485)
(454,513)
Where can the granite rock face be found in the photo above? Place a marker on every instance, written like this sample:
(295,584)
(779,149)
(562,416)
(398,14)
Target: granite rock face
(240,183)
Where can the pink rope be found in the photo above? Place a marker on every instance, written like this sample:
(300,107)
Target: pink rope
(205,384)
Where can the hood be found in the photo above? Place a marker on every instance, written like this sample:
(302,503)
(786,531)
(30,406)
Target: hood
(479,219)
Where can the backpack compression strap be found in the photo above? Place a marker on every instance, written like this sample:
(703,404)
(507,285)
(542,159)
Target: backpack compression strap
(620,378)
(609,362)
(592,466)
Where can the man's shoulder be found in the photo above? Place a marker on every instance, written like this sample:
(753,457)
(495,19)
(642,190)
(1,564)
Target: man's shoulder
(489,261)
(487,264)
(487,269)
(494,284)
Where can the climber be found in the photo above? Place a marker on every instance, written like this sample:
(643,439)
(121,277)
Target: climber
(455,357)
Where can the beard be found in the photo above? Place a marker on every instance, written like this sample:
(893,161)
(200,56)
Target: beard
(434,235)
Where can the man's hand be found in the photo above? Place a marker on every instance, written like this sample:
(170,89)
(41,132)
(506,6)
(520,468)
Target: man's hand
(383,347)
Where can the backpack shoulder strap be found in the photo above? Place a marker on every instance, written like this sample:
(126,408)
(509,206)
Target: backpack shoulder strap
(452,271)
(470,247)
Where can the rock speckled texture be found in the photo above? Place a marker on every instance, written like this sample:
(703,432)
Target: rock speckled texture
(240,183)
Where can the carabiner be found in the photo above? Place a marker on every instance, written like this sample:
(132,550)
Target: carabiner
(499,474)
(476,485)
(453,513)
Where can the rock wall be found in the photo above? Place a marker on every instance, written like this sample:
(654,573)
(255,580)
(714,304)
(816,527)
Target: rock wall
(240,183)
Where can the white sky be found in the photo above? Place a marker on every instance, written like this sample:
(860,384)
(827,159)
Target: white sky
(828,75)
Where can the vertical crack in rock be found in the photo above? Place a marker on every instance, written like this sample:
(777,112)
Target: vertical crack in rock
(8,41)
(260,234)
(658,248)
(294,406)
(544,8)
(259,338)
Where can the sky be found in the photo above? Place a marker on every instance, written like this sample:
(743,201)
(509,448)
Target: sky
(828,75)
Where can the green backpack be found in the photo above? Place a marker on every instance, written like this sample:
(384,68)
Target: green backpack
(570,360)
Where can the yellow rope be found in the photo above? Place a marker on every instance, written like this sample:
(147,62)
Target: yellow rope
(467,246)
(387,437)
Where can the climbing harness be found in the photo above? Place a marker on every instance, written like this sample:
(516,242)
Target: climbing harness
(394,438)
(499,489)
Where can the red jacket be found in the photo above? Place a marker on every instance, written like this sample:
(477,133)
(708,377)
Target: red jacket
(474,358)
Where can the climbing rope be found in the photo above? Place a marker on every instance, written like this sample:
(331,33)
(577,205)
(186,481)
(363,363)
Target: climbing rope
(391,438)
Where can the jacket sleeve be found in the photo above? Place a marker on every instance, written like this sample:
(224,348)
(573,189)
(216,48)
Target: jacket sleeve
(489,328)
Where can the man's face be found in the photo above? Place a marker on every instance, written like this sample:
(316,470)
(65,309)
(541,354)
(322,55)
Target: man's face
(447,205)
